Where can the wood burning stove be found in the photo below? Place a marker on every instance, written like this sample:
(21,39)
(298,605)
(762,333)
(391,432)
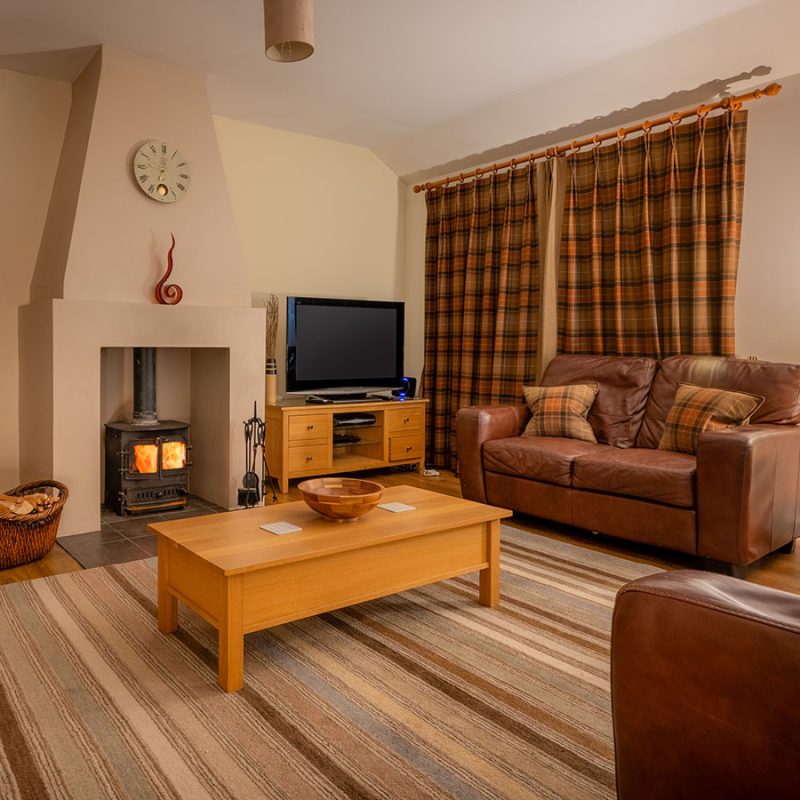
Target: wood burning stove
(147,460)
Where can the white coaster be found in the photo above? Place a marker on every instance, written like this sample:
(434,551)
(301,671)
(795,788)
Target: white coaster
(280,527)
(396,507)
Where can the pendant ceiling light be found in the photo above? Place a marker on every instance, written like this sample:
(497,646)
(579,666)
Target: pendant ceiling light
(289,29)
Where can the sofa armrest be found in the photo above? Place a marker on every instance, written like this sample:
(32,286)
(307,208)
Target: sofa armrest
(704,689)
(476,425)
(747,491)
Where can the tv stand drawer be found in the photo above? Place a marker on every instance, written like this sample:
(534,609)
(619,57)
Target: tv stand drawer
(404,419)
(306,427)
(312,456)
(404,447)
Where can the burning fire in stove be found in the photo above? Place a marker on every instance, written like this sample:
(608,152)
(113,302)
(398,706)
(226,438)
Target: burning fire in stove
(173,456)
(146,458)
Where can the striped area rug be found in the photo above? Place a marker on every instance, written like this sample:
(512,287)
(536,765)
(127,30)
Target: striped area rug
(424,694)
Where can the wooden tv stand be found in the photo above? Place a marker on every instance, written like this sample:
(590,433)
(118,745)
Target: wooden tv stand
(300,438)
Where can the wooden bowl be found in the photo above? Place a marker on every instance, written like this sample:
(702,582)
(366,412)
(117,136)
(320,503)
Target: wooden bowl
(341,498)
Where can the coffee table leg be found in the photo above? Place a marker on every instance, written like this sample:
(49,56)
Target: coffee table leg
(490,577)
(167,603)
(231,636)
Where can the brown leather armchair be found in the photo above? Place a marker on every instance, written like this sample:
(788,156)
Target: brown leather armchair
(705,689)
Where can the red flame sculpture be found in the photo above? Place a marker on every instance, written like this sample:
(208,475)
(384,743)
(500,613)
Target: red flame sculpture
(171,294)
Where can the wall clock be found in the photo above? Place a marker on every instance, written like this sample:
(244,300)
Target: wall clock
(161,171)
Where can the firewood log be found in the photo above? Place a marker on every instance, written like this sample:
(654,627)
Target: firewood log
(26,504)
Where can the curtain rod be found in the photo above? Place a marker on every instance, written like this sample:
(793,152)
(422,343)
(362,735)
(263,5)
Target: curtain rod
(733,103)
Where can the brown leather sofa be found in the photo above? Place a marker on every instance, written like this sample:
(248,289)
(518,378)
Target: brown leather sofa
(735,501)
(704,688)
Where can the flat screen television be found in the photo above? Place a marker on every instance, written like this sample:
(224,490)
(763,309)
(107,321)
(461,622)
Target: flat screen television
(343,347)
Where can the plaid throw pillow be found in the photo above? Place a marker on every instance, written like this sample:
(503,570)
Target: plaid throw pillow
(560,410)
(697,409)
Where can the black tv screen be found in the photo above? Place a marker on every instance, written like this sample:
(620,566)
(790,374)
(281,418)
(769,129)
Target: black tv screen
(343,344)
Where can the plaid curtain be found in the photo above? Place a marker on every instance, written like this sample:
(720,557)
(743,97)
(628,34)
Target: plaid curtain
(650,242)
(481,299)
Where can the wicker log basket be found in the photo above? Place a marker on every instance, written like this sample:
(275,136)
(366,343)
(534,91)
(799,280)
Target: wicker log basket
(28,537)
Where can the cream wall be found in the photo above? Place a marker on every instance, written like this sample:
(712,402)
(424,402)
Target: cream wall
(768,291)
(33,117)
(314,216)
(416,216)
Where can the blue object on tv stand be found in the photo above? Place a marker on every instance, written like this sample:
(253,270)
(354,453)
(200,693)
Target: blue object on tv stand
(408,390)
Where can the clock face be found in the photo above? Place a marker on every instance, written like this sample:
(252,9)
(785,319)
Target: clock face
(161,172)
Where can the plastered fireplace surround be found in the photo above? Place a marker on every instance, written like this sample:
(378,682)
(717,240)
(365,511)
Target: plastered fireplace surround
(60,391)
(102,251)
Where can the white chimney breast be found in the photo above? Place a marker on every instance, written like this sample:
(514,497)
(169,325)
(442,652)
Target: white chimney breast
(117,247)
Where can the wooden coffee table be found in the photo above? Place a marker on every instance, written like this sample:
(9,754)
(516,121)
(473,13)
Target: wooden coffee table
(243,579)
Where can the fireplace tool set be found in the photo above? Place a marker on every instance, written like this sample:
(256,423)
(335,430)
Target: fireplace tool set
(254,487)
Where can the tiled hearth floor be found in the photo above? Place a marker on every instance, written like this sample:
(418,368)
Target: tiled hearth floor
(123,539)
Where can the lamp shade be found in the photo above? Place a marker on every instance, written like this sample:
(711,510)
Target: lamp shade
(289,29)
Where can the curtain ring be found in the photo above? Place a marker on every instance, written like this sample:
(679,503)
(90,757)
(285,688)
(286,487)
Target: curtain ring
(461,177)
(646,125)
(513,163)
(621,134)
(550,153)
(574,147)
(702,111)
(596,140)
(494,169)
(674,119)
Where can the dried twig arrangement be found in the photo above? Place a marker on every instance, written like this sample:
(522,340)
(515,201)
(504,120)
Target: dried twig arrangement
(271,304)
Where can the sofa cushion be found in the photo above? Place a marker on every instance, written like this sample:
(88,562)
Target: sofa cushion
(658,475)
(618,409)
(697,409)
(540,458)
(560,411)
(778,384)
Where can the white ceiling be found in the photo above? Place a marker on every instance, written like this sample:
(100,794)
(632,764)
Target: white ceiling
(383,69)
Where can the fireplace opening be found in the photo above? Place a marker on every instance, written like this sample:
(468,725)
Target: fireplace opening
(147,459)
